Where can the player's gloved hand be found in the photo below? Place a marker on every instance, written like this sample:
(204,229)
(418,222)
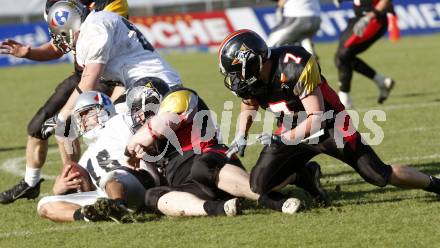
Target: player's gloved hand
(238,145)
(50,125)
(337,3)
(270,139)
(14,48)
(360,26)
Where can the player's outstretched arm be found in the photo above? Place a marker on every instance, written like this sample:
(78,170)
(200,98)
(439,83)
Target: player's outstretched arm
(47,51)
(89,78)
(248,111)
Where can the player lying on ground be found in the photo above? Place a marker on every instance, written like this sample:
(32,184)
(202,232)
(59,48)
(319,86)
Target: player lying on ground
(106,136)
(194,161)
(40,124)
(288,81)
(102,160)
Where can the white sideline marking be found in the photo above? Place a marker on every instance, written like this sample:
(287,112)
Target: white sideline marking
(47,230)
(401,106)
(16,166)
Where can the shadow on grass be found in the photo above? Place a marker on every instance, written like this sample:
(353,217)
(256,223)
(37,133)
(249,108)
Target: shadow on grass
(18,148)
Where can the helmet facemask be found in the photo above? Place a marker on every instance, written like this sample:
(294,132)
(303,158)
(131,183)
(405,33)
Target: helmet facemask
(143,103)
(90,117)
(64,19)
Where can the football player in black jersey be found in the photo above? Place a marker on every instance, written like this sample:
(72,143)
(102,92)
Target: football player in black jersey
(288,81)
(369,24)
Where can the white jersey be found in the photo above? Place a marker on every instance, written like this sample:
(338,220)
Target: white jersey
(107,38)
(301,8)
(107,152)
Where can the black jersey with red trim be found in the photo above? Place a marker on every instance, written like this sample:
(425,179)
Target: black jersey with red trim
(294,75)
(361,7)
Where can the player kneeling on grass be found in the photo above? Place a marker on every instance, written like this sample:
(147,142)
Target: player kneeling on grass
(112,189)
(287,81)
(194,161)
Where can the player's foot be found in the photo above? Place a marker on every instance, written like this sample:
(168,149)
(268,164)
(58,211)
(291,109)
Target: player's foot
(316,190)
(308,178)
(20,190)
(385,89)
(107,209)
(291,206)
(345,99)
(232,207)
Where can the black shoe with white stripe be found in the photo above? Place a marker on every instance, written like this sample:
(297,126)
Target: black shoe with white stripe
(20,190)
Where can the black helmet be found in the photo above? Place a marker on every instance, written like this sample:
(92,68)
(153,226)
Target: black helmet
(143,98)
(242,55)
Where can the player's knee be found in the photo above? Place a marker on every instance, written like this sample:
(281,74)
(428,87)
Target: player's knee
(153,195)
(257,183)
(378,178)
(205,171)
(34,126)
(43,207)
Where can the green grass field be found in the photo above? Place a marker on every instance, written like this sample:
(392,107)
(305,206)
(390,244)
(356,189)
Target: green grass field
(362,215)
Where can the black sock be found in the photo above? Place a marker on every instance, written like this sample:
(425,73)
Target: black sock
(273,200)
(77,215)
(214,208)
(434,185)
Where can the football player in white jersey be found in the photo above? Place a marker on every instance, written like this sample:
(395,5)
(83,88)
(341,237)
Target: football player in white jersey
(107,46)
(119,187)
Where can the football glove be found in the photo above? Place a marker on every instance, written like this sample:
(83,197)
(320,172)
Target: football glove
(237,145)
(270,139)
(50,125)
(360,26)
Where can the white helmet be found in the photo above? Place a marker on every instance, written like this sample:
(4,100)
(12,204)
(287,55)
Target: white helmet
(92,104)
(64,19)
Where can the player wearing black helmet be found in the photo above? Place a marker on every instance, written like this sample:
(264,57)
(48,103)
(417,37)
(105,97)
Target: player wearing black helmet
(288,81)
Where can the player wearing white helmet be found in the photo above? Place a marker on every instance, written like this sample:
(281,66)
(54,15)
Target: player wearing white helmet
(117,187)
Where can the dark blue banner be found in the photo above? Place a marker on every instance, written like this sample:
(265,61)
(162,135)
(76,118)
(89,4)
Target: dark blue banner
(414,18)
(34,34)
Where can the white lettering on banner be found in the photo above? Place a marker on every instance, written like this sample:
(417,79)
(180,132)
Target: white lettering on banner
(430,13)
(190,31)
(33,39)
(194,32)
(217,29)
(410,17)
(328,19)
(165,34)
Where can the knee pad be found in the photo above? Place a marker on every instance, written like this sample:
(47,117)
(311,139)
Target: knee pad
(377,174)
(256,181)
(205,169)
(153,195)
(34,126)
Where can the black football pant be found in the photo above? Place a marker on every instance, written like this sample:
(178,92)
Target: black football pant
(350,46)
(278,161)
(57,100)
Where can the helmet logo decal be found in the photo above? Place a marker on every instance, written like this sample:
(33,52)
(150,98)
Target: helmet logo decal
(60,18)
(242,55)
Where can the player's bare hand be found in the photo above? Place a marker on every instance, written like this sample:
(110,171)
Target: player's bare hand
(14,48)
(65,181)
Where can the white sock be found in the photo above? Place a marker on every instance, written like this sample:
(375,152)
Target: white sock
(32,176)
(379,79)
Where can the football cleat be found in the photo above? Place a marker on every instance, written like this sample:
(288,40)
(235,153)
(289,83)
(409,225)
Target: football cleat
(309,180)
(232,207)
(385,89)
(316,190)
(345,99)
(291,206)
(107,209)
(20,190)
